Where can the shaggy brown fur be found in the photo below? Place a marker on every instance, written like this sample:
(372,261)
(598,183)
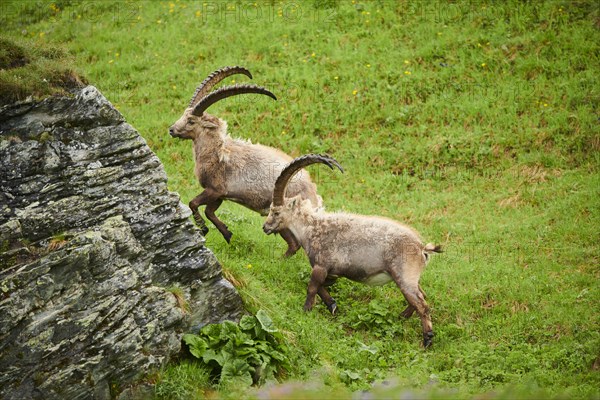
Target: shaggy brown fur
(234,169)
(366,249)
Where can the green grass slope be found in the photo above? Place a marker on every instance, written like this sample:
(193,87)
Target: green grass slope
(475,122)
(34,69)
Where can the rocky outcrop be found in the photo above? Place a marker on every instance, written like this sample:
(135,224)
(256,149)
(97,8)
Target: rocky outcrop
(101,270)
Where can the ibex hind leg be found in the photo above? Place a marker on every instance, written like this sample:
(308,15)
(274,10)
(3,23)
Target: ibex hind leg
(417,302)
(409,285)
(409,310)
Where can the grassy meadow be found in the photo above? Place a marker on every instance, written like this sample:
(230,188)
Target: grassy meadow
(477,123)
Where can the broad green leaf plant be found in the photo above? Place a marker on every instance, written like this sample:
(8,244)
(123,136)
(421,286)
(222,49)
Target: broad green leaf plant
(249,353)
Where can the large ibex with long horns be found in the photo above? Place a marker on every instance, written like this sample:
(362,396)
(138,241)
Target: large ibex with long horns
(234,169)
(370,250)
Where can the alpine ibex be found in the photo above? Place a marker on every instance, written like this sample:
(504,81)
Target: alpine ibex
(370,250)
(234,169)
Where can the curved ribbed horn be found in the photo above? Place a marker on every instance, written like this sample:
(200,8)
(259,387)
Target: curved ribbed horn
(228,91)
(290,170)
(217,76)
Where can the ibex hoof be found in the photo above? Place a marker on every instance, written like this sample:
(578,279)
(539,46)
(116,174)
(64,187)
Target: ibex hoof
(227,235)
(332,308)
(427,339)
(200,223)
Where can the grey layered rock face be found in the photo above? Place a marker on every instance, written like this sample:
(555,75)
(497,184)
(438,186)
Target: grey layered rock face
(101,270)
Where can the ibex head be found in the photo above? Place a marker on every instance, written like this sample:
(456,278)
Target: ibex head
(194,121)
(283,210)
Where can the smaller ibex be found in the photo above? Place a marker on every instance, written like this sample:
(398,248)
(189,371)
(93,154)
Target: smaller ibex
(370,250)
(233,169)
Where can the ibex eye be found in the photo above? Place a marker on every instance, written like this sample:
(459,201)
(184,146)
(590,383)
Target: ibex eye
(191,122)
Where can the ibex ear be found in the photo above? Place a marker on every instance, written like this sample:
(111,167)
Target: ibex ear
(205,123)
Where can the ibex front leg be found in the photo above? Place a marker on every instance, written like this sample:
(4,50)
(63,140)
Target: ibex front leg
(196,202)
(327,299)
(212,200)
(210,214)
(317,279)
(292,242)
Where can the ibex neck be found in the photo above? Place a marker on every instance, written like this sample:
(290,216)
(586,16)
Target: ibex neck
(206,159)
(303,229)
(207,148)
